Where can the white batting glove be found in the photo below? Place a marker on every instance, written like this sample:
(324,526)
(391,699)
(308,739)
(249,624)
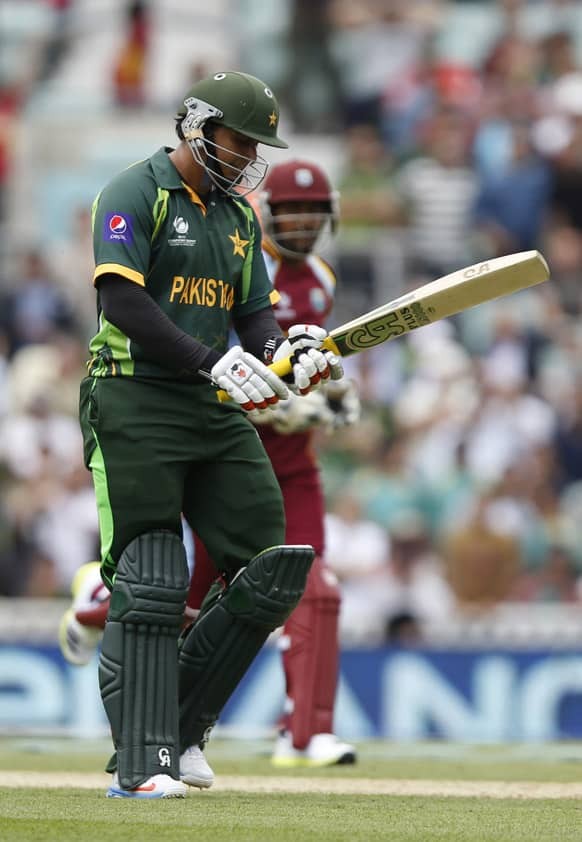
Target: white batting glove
(247,381)
(343,402)
(301,413)
(297,414)
(310,365)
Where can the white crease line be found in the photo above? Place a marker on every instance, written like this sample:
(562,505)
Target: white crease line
(339,786)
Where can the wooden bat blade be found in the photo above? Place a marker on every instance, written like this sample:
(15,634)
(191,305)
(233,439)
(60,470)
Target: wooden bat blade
(439,299)
(436,300)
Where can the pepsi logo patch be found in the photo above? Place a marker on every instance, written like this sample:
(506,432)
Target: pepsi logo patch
(118,227)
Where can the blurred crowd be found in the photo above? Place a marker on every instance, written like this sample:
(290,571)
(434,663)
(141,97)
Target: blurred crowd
(461,487)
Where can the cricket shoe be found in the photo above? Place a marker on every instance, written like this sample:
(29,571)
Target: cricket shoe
(194,770)
(78,640)
(321,750)
(158,786)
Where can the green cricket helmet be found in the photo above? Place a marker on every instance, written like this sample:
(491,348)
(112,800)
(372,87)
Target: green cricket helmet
(239,102)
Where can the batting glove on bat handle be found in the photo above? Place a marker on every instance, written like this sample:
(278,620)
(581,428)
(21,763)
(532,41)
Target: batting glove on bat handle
(246,380)
(285,366)
(312,364)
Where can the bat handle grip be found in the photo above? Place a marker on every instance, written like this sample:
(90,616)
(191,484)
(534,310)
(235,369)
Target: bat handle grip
(283,367)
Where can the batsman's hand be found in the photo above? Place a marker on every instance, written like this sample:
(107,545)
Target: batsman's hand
(298,414)
(311,364)
(247,381)
(343,402)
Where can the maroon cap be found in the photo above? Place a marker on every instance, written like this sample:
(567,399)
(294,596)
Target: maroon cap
(296,181)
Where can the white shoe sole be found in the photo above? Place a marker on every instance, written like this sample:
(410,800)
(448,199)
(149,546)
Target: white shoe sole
(149,790)
(128,793)
(198,783)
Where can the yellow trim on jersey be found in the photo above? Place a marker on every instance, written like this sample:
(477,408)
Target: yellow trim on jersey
(118,269)
(195,198)
(274,297)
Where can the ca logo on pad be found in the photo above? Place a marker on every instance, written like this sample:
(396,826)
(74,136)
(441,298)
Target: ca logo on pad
(164,757)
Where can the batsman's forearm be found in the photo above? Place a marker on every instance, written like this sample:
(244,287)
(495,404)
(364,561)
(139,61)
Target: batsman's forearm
(129,307)
(256,329)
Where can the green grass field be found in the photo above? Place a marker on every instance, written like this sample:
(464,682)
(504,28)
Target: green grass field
(56,792)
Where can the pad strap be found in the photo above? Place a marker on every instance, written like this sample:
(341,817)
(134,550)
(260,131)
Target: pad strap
(138,666)
(220,646)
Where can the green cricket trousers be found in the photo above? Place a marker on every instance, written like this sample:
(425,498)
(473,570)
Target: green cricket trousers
(158,449)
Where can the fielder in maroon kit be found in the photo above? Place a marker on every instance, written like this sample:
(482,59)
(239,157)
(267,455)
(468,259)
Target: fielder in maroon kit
(297,207)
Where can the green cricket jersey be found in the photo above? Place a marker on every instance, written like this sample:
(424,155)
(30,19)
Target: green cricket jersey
(201,264)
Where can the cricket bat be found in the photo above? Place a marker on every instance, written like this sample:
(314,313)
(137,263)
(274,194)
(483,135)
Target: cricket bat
(431,302)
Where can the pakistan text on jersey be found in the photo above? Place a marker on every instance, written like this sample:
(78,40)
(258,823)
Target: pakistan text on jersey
(206,292)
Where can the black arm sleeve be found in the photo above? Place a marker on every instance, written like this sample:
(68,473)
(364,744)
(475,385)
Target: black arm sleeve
(129,307)
(255,329)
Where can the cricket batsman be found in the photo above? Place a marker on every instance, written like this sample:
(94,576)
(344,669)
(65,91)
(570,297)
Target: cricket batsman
(178,263)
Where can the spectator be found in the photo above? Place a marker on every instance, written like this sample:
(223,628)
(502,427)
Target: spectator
(510,422)
(35,308)
(567,163)
(129,71)
(416,584)
(557,55)
(38,449)
(388,485)
(32,430)
(59,40)
(522,504)
(12,100)
(556,581)
(357,551)
(568,441)
(438,190)
(392,42)
(564,237)
(314,107)
(437,401)
(403,629)
(369,208)
(66,526)
(4,368)
(72,267)
(369,200)
(481,561)
(512,203)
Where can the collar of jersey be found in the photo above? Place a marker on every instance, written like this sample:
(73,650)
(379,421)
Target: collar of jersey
(168,176)
(165,172)
(194,197)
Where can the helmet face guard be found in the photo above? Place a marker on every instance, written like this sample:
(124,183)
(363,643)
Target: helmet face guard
(299,209)
(239,102)
(237,178)
(297,233)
